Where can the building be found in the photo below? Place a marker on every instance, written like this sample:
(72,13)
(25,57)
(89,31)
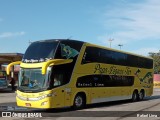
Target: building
(156,80)
(6,58)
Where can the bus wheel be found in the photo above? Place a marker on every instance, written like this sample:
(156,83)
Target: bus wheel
(134,96)
(141,95)
(79,102)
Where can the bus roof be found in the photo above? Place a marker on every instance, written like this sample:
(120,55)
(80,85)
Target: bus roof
(90,44)
(50,40)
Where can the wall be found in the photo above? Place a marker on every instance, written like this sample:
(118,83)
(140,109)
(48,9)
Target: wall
(156,80)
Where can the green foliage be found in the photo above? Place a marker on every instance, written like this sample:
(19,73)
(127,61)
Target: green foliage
(156,59)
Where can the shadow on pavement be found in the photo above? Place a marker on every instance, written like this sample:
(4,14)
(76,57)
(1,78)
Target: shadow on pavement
(7,90)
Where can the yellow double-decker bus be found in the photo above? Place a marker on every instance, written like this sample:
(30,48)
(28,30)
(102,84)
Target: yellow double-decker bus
(61,73)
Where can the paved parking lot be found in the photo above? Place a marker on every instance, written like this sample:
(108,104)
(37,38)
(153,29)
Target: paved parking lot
(109,110)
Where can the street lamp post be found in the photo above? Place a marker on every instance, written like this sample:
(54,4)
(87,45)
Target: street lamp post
(120,45)
(110,40)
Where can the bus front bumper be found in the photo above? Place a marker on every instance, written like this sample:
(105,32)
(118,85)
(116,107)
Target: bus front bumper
(44,103)
(35,100)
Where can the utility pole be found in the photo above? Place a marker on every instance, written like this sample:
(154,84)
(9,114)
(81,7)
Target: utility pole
(110,40)
(120,45)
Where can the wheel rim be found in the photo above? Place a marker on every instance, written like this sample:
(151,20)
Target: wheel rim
(134,97)
(78,101)
(141,95)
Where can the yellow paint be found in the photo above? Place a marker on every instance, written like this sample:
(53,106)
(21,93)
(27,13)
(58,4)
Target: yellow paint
(31,65)
(44,65)
(55,100)
(10,65)
(62,99)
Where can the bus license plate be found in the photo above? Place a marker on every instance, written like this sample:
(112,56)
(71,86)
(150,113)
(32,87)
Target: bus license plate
(28,104)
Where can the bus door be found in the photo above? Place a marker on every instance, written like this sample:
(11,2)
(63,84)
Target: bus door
(60,77)
(58,89)
(62,93)
(62,96)
(58,100)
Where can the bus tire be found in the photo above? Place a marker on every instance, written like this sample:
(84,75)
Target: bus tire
(134,96)
(79,101)
(141,95)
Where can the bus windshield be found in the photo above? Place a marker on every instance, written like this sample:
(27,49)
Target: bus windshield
(32,80)
(40,52)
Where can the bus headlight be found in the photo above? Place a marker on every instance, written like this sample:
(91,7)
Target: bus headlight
(44,103)
(45,96)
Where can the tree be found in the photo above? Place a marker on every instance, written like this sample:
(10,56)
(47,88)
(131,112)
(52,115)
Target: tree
(156,61)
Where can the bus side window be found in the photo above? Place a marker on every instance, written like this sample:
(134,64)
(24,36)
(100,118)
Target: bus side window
(62,73)
(58,79)
(91,55)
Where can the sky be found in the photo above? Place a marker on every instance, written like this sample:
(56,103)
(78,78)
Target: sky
(134,24)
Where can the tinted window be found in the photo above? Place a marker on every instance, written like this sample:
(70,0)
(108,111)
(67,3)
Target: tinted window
(60,74)
(105,81)
(93,54)
(117,80)
(40,51)
(68,49)
(52,49)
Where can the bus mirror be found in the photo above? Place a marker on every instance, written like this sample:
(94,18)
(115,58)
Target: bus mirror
(10,65)
(54,62)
